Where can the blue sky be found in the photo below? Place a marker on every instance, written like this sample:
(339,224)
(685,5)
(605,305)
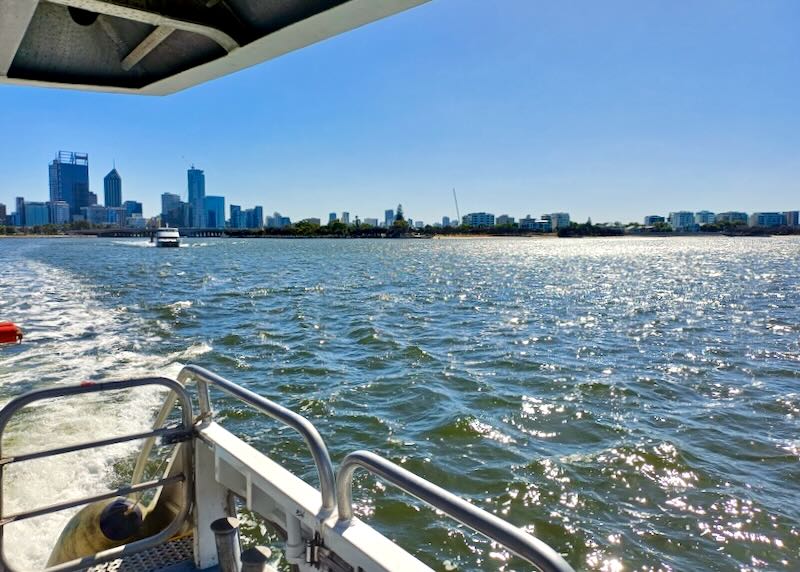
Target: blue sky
(612,110)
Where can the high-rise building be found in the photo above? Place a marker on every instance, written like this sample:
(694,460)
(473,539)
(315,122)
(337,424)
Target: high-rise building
(236,216)
(20,211)
(704,217)
(69,181)
(172,210)
(331,217)
(682,221)
(388,217)
(95,214)
(478,219)
(59,212)
(370,222)
(345,217)
(112,189)
(116,216)
(197,192)
(3,213)
(504,220)
(445,221)
(132,208)
(258,217)
(559,220)
(651,220)
(36,214)
(791,218)
(765,219)
(732,217)
(214,211)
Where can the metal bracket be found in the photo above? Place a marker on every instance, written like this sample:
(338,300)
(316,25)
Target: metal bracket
(178,437)
(324,558)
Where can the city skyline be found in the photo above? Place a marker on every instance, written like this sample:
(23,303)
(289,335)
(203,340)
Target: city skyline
(613,112)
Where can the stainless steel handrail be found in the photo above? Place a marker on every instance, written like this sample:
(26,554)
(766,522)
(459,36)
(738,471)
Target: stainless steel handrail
(313,440)
(516,540)
(177,391)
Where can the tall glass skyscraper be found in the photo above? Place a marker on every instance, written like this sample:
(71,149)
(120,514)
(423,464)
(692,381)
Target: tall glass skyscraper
(215,212)
(69,181)
(112,187)
(197,194)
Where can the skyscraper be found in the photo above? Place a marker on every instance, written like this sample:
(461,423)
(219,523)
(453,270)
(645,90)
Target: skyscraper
(112,189)
(197,194)
(69,181)
(20,211)
(258,217)
(388,217)
(171,209)
(345,217)
(236,216)
(331,217)
(214,212)
(3,213)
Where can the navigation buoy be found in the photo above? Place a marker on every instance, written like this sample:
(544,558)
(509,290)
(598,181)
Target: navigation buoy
(10,333)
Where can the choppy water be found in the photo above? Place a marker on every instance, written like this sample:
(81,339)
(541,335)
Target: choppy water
(633,402)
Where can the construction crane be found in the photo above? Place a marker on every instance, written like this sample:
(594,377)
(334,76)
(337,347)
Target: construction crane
(458,213)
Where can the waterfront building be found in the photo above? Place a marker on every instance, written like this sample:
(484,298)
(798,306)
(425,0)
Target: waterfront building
(172,211)
(69,181)
(36,214)
(527,223)
(704,217)
(112,189)
(214,208)
(59,212)
(733,217)
(136,220)
(558,220)
(278,221)
(3,213)
(371,222)
(445,221)
(95,214)
(652,220)
(331,217)
(20,202)
(236,217)
(388,217)
(478,220)
(196,182)
(116,216)
(345,217)
(682,221)
(791,218)
(766,219)
(132,208)
(256,217)
(504,220)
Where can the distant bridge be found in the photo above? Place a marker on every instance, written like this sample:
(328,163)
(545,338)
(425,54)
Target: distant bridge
(148,232)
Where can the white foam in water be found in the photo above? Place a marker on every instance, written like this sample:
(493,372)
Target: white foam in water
(70,337)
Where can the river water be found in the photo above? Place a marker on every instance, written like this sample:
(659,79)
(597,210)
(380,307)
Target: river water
(633,402)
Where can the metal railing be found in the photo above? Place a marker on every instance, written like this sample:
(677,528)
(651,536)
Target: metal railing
(516,540)
(185,430)
(311,436)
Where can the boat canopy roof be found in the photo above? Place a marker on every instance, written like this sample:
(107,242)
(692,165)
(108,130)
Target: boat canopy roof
(158,47)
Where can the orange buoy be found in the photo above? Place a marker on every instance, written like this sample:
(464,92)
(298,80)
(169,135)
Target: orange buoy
(10,333)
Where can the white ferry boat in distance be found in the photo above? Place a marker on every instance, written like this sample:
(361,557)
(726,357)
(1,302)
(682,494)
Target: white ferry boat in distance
(167,237)
(181,516)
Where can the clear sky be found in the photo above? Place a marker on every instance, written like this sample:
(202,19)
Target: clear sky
(612,110)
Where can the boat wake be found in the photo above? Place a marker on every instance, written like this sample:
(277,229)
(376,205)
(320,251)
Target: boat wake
(70,337)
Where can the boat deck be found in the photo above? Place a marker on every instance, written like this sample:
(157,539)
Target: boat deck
(173,556)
